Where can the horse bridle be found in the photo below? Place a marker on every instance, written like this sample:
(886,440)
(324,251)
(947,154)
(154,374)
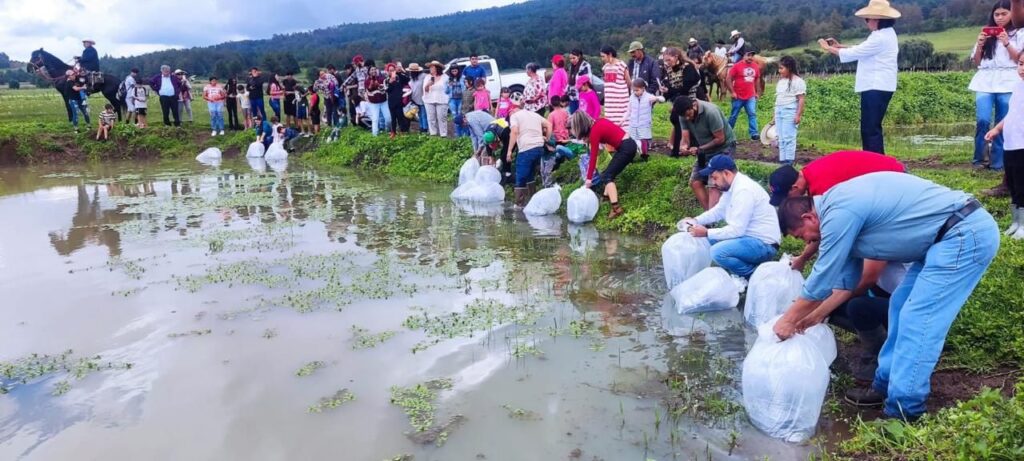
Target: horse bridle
(40,69)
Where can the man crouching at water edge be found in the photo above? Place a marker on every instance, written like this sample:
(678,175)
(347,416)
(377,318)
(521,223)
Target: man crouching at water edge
(946,235)
(751,235)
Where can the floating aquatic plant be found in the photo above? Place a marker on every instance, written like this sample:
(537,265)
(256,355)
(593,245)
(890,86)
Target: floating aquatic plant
(332,401)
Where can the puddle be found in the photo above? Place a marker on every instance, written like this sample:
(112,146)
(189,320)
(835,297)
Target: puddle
(238,311)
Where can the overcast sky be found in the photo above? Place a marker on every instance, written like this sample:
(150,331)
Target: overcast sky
(130,27)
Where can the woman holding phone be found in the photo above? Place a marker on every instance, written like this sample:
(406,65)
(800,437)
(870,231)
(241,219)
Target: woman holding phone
(995,53)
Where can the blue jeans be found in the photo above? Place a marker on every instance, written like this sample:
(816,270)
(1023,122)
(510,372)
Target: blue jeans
(423,117)
(985,103)
(750,106)
(216,115)
(455,107)
(574,105)
(379,113)
(923,307)
(873,105)
(741,256)
(275,105)
(785,125)
(526,164)
(76,107)
(256,107)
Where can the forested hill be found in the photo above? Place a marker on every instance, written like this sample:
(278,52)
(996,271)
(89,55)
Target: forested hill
(534,30)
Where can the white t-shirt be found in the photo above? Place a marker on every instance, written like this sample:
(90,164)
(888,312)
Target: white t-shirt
(1013,123)
(786,90)
(892,276)
(531,129)
(876,61)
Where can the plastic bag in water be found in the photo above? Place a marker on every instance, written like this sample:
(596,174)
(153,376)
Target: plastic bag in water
(479,192)
(545,202)
(276,152)
(773,287)
(784,384)
(256,149)
(711,289)
(488,174)
(212,153)
(684,255)
(468,170)
(581,207)
(824,339)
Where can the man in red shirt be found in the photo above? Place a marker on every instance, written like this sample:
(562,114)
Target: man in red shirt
(821,175)
(745,81)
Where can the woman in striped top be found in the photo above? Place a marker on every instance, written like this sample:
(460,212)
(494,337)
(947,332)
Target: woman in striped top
(616,88)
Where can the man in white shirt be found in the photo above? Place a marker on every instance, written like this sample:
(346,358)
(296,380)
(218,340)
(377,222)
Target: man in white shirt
(751,235)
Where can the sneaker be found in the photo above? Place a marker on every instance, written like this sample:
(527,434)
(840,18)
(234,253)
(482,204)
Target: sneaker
(865,397)
(213,133)
(998,191)
(615,212)
(755,137)
(222,132)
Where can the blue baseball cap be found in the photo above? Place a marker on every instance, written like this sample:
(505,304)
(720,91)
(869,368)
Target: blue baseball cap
(720,162)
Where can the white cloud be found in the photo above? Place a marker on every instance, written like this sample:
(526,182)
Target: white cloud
(130,27)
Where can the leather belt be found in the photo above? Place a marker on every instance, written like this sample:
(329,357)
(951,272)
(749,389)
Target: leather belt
(957,216)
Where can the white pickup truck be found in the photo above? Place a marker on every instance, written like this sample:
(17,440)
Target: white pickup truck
(513,80)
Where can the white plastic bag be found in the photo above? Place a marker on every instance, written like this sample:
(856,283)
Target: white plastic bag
(212,153)
(479,192)
(773,287)
(711,289)
(256,149)
(824,339)
(488,174)
(581,207)
(461,193)
(684,255)
(545,202)
(276,152)
(784,384)
(468,170)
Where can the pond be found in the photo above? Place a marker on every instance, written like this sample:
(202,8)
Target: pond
(175,311)
(953,143)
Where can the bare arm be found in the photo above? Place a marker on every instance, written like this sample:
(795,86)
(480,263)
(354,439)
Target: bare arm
(786,327)
(810,250)
(513,136)
(799,108)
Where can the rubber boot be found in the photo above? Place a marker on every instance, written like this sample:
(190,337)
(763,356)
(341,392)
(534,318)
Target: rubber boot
(520,196)
(1014,221)
(531,188)
(1002,190)
(872,341)
(1019,235)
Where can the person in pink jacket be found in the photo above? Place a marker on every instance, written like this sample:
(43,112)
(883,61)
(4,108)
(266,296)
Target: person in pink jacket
(589,102)
(559,84)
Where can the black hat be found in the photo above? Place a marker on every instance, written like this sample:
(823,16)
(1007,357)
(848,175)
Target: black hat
(781,181)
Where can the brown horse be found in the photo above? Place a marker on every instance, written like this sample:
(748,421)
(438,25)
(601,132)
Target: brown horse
(716,71)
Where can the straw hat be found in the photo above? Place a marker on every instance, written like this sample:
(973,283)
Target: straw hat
(734,33)
(769,135)
(178,71)
(693,40)
(414,67)
(635,46)
(878,9)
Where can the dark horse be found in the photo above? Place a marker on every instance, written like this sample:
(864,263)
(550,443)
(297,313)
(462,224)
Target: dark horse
(51,68)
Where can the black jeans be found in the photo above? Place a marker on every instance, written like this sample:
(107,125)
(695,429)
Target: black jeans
(864,313)
(169,105)
(873,105)
(232,106)
(398,120)
(1014,164)
(332,113)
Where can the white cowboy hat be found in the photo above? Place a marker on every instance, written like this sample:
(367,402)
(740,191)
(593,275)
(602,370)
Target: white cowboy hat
(693,40)
(734,33)
(178,71)
(769,134)
(89,40)
(878,9)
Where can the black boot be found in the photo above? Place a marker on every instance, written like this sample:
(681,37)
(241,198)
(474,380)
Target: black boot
(872,342)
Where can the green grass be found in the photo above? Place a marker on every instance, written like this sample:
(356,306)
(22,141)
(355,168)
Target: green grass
(959,40)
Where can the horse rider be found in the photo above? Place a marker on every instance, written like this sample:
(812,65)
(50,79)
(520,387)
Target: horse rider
(88,64)
(739,46)
(694,51)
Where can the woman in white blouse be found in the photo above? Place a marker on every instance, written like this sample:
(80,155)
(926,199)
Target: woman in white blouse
(436,100)
(996,55)
(876,69)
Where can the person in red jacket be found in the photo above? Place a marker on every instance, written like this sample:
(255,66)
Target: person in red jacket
(745,81)
(821,175)
(595,133)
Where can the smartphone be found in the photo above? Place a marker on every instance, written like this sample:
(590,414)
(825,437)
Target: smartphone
(993,31)
(831,41)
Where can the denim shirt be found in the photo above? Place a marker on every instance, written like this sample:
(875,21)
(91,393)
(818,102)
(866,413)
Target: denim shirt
(883,216)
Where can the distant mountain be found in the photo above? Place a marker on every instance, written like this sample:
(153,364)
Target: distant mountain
(535,30)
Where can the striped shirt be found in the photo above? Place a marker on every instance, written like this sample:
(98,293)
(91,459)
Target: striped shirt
(616,94)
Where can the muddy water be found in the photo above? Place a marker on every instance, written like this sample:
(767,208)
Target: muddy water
(178,311)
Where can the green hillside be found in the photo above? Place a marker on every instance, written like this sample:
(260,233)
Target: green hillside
(957,40)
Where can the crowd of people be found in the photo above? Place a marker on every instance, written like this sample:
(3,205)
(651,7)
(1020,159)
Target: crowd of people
(897,255)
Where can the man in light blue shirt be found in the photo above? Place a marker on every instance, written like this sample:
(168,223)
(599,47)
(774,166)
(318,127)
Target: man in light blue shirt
(946,235)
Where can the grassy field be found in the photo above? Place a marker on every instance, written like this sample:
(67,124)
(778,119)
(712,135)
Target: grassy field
(46,105)
(958,40)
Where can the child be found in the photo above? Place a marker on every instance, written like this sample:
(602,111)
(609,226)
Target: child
(264,131)
(589,102)
(314,110)
(214,95)
(140,96)
(107,119)
(301,111)
(481,96)
(243,98)
(557,152)
(504,105)
(1012,128)
(362,113)
(641,104)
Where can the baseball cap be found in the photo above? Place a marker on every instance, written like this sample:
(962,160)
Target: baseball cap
(719,162)
(489,137)
(781,181)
